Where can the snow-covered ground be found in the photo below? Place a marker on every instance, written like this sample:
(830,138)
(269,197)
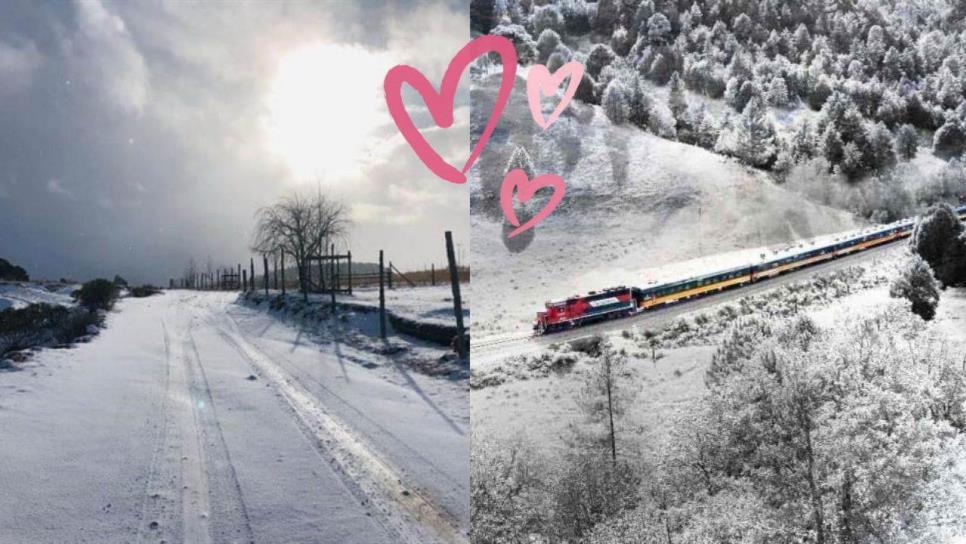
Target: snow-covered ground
(426,303)
(22,294)
(195,419)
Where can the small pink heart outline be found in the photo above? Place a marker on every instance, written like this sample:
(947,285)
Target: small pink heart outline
(525,189)
(541,82)
(441,104)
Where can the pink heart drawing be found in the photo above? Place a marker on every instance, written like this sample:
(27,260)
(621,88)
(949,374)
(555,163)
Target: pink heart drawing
(516,179)
(440,104)
(540,82)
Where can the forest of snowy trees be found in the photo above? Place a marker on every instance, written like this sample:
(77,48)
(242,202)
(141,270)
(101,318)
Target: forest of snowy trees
(869,82)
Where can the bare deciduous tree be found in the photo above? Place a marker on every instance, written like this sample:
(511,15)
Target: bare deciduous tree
(300,226)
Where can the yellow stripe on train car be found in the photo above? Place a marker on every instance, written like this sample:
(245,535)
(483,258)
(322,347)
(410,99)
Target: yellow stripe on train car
(696,291)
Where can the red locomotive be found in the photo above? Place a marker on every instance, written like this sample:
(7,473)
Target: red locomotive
(583,309)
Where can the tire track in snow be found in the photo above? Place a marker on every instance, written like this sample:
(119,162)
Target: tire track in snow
(307,382)
(228,515)
(413,517)
(155,503)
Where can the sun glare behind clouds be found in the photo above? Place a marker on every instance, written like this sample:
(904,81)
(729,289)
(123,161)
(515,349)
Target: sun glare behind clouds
(324,103)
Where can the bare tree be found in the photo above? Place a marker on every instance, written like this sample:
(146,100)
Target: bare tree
(300,226)
(190,272)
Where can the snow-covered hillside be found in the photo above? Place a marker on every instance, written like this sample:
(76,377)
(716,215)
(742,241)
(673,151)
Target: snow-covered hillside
(634,202)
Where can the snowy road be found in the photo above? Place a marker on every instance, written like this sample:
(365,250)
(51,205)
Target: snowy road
(494,350)
(193,419)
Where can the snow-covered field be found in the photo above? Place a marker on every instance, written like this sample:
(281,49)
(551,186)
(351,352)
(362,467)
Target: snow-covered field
(428,304)
(22,294)
(195,419)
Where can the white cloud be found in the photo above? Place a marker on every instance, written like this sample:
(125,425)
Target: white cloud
(56,187)
(17,67)
(104,56)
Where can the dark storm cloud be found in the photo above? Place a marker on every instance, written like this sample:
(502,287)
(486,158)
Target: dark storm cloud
(132,134)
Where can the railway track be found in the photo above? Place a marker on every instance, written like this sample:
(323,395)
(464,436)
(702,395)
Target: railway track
(523,341)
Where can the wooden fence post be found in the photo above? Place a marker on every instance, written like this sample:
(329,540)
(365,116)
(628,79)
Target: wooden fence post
(454,278)
(251,275)
(332,282)
(390,274)
(265,277)
(349,256)
(283,272)
(432,273)
(238,283)
(382,301)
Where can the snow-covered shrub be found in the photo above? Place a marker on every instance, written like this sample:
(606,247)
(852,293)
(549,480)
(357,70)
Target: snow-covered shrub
(916,284)
(600,56)
(522,41)
(576,16)
(620,41)
(44,325)
(607,16)
(547,18)
(547,43)
(505,492)
(97,294)
(556,60)
(950,140)
(483,15)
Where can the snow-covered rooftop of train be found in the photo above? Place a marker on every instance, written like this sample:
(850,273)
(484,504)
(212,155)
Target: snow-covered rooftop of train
(744,258)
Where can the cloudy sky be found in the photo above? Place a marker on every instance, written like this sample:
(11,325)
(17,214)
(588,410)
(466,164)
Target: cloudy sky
(134,135)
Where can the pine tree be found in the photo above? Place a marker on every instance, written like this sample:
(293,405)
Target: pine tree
(677,101)
(615,102)
(639,105)
(658,29)
(608,15)
(755,135)
(883,148)
(852,164)
(778,92)
(803,143)
(520,159)
(907,142)
(832,146)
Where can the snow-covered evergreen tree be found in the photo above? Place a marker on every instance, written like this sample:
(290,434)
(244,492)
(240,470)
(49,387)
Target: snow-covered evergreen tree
(778,92)
(907,142)
(916,284)
(753,137)
(677,101)
(616,102)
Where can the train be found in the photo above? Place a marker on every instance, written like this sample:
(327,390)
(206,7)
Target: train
(624,301)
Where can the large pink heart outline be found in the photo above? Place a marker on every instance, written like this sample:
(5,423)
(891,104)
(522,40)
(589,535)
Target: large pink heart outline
(540,82)
(441,104)
(525,189)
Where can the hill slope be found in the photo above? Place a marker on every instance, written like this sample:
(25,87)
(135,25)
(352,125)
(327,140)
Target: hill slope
(634,202)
